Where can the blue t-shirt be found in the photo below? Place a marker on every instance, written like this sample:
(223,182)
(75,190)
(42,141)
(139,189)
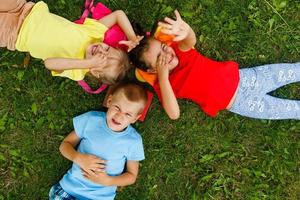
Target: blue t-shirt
(99,140)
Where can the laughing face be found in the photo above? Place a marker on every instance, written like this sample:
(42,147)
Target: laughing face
(156,49)
(121,112)
(111,69)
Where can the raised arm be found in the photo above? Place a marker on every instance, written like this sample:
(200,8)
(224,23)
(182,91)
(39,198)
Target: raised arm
(184,34)
(120,18)
(126,178)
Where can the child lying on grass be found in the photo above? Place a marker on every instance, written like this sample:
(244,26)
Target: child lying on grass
(106,145)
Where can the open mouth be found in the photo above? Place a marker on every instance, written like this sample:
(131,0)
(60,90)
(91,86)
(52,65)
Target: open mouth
(94,49)
(115,122)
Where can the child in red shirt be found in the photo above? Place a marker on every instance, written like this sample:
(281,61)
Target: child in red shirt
(183,72)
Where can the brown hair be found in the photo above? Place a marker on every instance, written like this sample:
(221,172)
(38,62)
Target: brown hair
(132,91)
(136,54)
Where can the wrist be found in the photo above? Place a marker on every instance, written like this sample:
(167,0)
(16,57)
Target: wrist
(109,181)
(77,158)
(89,62)
(163,78)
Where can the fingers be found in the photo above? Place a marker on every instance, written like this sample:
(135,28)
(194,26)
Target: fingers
(164,25)
(178,17)
(123,42)
(169,20)
(140,37)
(161,62)
(99,160)
(179,38)
(130,43)
(167,31)
(102,50)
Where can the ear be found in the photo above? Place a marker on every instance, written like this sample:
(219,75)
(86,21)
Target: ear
(152,71)
(95,72)
(109,100)
(136,118)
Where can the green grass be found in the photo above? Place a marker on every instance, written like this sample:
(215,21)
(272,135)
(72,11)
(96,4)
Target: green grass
(195,157)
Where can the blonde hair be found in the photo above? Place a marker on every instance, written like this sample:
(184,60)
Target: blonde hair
(122,66)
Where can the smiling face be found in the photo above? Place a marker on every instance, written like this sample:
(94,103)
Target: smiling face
(117,62)
(122,112)
(92,49)
(156,49)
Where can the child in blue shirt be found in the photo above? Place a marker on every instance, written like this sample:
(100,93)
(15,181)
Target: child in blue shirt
(106,144)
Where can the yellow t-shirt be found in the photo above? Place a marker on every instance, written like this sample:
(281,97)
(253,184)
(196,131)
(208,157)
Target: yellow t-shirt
(46,35)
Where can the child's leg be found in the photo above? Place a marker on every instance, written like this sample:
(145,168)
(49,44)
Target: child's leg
(57,193)
(274,76)
(255,83)
(12,14)
(10,5)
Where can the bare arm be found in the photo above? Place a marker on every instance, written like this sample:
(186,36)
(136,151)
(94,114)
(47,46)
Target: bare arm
(169,101)
(67,147)
(120,18)
(126,178)
(61,64)
(89,163)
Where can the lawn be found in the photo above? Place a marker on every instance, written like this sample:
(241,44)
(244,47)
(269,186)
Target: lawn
(195,157)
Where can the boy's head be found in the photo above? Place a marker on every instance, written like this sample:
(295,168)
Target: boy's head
(125,105)
(146,54)
(116,67)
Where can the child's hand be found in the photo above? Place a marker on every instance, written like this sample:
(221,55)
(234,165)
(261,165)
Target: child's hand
(98,177)
(98,60)
(162,67)
(131,44)
(177,27)
(90,163)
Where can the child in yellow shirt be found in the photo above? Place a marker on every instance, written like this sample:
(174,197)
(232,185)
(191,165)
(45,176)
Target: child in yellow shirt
(68,49)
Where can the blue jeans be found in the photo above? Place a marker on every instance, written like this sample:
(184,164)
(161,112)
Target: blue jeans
(252,99)
(57,193)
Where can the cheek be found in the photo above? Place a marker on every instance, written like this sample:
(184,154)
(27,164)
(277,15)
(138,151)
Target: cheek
(147,58)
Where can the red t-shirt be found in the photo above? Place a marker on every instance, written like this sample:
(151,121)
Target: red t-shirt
(208,83)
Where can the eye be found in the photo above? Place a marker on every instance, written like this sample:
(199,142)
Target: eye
(128,115)
(164,47)
(117,108)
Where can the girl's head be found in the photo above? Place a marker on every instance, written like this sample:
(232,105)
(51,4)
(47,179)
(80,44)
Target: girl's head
(146,54)
(116,66)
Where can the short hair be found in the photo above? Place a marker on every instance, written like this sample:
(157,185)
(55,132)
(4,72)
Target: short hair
(123,67)
(132,91)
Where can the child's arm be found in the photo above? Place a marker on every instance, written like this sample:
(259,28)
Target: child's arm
(126,178)
(169,101)
(89,163)
(61,64)
(120,18)
(184,34)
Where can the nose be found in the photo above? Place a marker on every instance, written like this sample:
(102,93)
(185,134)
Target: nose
(119,116)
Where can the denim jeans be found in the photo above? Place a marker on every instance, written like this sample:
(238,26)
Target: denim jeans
(252,99)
